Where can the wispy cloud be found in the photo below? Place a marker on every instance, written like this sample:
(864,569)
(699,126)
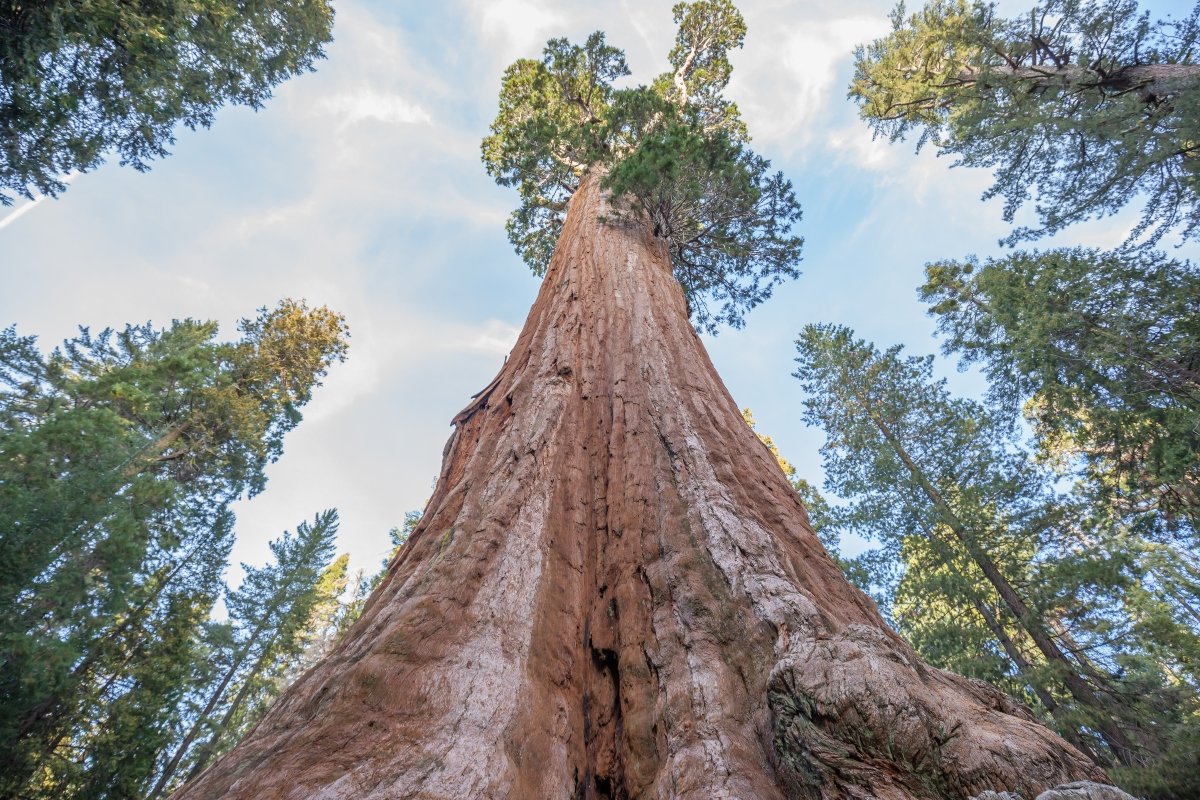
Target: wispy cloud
(854,145)
(521,25)
(366,103)
(497,336)
(788,77)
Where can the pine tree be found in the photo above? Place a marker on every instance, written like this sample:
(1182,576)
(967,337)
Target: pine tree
(269,614)
(133,723)
(119,454)
(1087,104)
(1097,350)
(1102,352)
(81,81)
(326,620)
(1003,578)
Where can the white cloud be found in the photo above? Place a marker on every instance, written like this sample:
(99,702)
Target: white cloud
(255,223)
(497,336)
(855,145)
(788,76)
(366,103)
(521,25)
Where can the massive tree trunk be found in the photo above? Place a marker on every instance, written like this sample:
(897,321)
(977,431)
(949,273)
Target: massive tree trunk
(614,593)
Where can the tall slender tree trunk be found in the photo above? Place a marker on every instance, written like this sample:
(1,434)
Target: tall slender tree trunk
(214,700)
(1113,734)
(1024,668)
(209,748)
(614,593)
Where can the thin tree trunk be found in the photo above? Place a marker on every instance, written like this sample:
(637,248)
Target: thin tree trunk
(152,453)
(214,699)
(1026,670)
(1079,688)
(172,765)
(1024,667)
(95,654)
(615,593)
(210,746)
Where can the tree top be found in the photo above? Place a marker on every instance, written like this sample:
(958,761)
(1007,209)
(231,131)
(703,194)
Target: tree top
(674,155)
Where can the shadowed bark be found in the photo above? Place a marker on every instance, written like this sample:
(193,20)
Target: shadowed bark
(614,593)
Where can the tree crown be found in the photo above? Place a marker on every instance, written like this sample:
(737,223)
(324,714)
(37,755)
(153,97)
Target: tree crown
(81,79)
(674,155)
(1084,104)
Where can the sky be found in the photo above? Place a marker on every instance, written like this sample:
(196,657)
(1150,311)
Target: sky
(359,186)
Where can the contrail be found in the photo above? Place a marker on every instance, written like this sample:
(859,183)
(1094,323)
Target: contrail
(19,212)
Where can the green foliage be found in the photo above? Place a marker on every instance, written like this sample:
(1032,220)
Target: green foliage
(398,537)
(1103,350)
(672,154)
(935,606)
(548,130)
(1082,104)
(119,456)
(987,569)
(700,68)
(136,724)
(726,219)
(82,78)
(267,635)
(1085,104)
(336,605)
(1176,776)
(1100,352)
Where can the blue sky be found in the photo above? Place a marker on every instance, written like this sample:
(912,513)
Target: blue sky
(360,187)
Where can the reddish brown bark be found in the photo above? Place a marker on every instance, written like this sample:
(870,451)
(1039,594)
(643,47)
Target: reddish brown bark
(614,593)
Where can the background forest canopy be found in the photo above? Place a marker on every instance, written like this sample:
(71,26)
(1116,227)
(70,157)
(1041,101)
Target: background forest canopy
(1041,537)
(1045,538)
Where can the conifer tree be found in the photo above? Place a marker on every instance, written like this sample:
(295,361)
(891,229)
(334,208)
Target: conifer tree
(916,462)
(80,82)
(1087,103)
(674,153)
(327,621)
(120,454)
(614,591)
(1102,352)
(268,616)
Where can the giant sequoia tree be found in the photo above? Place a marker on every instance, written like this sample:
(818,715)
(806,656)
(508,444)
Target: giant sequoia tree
(614,592)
